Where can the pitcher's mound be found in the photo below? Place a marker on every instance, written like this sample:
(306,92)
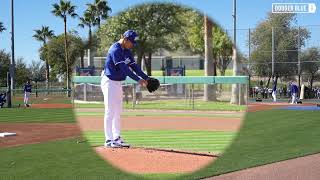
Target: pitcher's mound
(139,160)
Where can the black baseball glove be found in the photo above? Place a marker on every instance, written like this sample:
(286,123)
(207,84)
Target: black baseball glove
(153,84)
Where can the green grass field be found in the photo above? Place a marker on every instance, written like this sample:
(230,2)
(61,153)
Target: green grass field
(196,141)
(176,105)
(29,115)
(265,137)
(40,100)
(62,159)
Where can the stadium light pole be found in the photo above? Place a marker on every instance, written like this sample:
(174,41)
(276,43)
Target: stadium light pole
(299,63)
(12,62)
(10,75)
(236,88)
(272,55)
(234,15)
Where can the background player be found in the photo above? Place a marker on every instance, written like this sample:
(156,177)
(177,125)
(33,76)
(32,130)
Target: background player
(294,93)
(274,90)
(27,90)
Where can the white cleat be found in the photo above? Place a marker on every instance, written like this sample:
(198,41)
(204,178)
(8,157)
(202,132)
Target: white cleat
(120,142)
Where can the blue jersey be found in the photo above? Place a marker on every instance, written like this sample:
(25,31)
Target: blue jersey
(294,88)
(118,62)
(27,88)
(2,98)
(274,86)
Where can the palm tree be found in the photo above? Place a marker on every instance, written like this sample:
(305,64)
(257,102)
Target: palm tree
(43,35)
(101,9)
(2,28)
(63,10)
(89,20)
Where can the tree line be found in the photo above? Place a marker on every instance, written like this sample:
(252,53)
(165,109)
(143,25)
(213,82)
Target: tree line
(288,40)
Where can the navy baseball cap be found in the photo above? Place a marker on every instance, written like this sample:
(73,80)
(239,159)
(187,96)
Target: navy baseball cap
(131,35)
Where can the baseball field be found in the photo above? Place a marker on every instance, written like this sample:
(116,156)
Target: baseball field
(50,145)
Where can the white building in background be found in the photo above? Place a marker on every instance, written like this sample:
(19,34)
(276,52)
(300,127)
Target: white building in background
(189,62)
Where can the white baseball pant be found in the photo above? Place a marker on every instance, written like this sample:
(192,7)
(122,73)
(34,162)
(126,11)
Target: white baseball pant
(26,97)
(294,98)
(274,95)
(112,93)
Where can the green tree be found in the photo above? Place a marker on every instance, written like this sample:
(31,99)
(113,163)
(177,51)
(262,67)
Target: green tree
(4,67)
(310,62)
(101,10)
(63,10)
(222,49)
(54,52)
(193,39)
(22,72)
(287,41)
(37,71)
(148,21)
(43,35)
(2,28)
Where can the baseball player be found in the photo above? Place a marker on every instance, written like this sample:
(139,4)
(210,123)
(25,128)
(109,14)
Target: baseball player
(274,90)
(2,99)
(294,93)
(27,90)
(116,69)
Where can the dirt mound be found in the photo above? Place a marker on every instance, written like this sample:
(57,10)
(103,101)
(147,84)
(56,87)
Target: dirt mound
(92,123)
(140,160)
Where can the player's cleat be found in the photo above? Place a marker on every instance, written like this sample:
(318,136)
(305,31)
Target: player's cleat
(107,143)
(111,144)
(120,141)
(258,100)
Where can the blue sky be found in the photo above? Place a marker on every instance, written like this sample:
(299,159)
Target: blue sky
(32,14)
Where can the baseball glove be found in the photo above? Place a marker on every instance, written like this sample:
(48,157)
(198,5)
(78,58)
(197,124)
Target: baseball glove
(153,84)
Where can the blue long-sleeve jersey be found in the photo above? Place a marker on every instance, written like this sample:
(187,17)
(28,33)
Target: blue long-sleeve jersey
(27,88)
(117,64)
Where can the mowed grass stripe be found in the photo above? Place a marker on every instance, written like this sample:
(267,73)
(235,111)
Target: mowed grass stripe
(153,139)
(165,141)
(37,115)
(166,132)
(204,141)
(156,138)
(147,114)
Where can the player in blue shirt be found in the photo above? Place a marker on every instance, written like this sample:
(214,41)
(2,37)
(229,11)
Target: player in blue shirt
(119,64)
(294,93)
(2,99)
(27,90)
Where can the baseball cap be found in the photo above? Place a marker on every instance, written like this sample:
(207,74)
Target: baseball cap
(131,35)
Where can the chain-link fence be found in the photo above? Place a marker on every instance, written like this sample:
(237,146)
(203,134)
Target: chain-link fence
(177,93)
(291,53)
